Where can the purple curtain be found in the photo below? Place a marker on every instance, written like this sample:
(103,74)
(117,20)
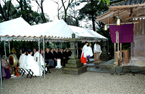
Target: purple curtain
(125,33)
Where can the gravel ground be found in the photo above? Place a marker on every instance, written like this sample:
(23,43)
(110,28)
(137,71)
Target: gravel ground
(86,83)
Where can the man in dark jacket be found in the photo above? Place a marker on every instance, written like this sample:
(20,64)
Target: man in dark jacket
(61,56)
(47,55)
(51,58)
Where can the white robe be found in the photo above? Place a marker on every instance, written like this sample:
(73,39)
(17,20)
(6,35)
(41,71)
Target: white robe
(89,52)
(22,63)
(84,50)
(39,58)
(33,65)
(97,48)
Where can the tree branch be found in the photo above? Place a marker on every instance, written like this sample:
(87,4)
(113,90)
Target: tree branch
(63,4)
(2,12)
(9,8)
(37,3)
(69,3)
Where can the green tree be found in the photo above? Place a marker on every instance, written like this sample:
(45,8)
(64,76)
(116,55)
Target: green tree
(7,10)
(40,5)
(91,10)
(26,12)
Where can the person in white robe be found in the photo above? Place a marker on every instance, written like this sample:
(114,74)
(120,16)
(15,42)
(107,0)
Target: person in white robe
(86,51)
(89,51)
(32,64)
(39,58)
(97,52)
(22,63)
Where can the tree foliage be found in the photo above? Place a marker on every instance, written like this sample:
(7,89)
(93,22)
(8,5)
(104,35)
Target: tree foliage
(105,1)
(7,11)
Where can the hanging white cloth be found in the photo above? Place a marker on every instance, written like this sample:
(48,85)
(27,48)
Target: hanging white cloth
(33,65)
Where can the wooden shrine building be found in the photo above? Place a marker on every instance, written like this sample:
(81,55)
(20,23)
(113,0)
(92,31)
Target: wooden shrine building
(130,11)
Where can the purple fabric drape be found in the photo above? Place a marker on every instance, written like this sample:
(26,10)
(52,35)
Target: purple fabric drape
(125,33)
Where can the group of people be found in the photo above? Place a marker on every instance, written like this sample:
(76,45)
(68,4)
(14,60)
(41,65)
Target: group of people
(27,61)
(87,53)
(36,62)
(51,56)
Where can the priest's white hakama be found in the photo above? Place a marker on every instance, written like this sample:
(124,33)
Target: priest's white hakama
(22,63)
(33,65)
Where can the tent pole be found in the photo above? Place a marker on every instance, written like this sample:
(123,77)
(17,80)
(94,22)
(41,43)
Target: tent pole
(39,57)
(9,47)
(5,48)
(44,55)
(1,74)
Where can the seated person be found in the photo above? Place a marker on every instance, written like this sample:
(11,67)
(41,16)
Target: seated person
(5,69)
(39,58)
(61,56)
(32,64)
(56,56)
(51,58)
(47,56)
(66,56)
(22,59)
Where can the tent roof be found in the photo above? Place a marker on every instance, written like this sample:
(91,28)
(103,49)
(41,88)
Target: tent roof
(82,32)
(57,29)
(16,29)
(19,30)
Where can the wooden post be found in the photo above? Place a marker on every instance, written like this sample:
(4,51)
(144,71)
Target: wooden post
(140,29)
(114,53)
(143,27)
(120,51)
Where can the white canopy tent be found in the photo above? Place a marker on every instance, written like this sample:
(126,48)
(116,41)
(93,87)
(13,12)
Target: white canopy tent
(19,30)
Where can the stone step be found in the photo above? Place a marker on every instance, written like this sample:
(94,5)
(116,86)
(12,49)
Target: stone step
(98,70)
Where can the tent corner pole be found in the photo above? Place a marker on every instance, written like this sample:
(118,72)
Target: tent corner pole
(39,57)
(5,49)
(1,73)
(9,47)
(44,54)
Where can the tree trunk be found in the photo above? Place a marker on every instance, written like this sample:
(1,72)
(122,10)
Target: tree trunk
(93,20)
(65,16)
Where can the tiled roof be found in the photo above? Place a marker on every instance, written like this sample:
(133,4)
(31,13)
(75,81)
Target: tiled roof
(127,2)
